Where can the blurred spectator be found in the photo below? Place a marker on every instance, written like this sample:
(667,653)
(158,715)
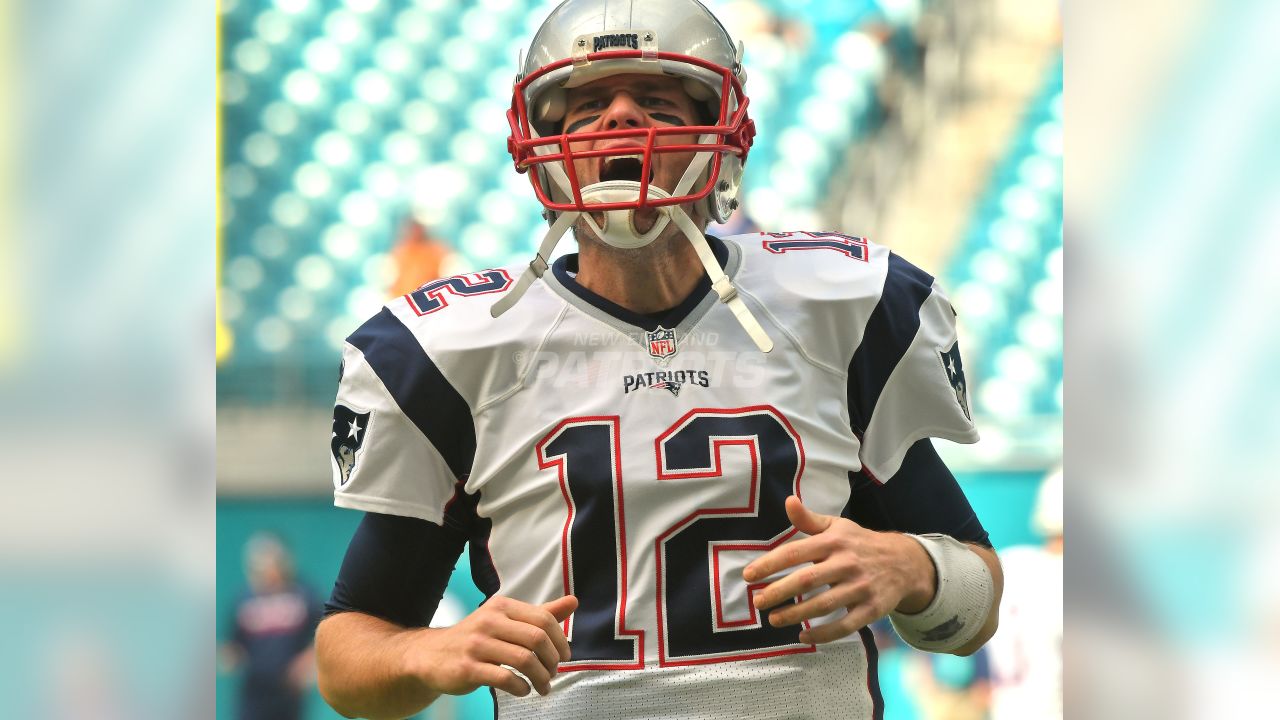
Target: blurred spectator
(275,623)
(930,686)
(954,687)
(1026,652)
(85,680)
(896,672)
(1140,675)
(417,256)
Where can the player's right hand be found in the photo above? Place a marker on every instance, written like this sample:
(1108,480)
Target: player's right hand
(500,632)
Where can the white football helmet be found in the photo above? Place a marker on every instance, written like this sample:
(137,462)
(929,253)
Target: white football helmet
(582,41)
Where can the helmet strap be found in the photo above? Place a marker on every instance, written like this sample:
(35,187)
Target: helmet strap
(538,265)
(720,282)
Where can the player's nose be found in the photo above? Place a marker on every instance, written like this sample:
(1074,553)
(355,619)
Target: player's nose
(623,113)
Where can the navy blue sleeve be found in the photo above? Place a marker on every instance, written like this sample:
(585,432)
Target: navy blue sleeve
(886,338)
(923,497)
(397,568)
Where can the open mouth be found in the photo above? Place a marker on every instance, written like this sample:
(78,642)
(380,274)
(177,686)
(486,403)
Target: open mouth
(623,167)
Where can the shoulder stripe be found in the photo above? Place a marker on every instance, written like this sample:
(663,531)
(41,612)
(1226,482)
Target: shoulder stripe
(419,388)
(889,332)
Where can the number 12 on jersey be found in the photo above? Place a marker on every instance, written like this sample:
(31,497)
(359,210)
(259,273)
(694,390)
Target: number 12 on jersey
(690,586)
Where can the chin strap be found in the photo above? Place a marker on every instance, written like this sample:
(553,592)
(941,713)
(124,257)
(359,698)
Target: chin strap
(720,282)
(619,228)
(538,265)
(627,236)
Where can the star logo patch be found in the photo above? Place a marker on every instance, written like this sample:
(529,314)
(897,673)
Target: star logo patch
(346,441)
(955,375)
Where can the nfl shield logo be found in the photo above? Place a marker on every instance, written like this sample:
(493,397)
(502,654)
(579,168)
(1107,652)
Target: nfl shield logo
(662,343)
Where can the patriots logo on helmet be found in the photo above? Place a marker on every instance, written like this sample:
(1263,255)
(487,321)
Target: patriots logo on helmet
(661,343)
(616,40)
(349,429)
(955,375)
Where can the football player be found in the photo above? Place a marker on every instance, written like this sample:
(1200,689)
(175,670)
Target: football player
(689,471)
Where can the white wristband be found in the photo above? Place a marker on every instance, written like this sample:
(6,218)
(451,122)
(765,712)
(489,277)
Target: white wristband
(961,604)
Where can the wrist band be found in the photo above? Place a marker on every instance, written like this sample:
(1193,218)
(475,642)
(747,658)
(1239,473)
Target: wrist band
(960,606)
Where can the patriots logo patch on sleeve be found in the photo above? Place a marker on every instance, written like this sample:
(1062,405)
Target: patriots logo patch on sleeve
(955,375)
(349,429)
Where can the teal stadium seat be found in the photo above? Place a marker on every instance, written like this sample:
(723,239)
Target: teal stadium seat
(1007,276)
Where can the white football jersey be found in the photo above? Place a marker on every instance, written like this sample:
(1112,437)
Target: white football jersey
(641,462)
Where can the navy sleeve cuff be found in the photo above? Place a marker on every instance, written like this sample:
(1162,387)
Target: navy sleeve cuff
(923,497)
(397,568)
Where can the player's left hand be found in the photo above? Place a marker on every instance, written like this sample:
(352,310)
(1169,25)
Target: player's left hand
(869,573)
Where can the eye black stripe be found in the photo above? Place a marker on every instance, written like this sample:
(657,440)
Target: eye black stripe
(668,119)
(573,127)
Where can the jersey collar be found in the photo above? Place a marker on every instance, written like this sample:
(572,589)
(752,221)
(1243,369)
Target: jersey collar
(681,317)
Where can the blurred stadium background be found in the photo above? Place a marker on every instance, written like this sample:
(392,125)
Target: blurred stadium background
(363,152)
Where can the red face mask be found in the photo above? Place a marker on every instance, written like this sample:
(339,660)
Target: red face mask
(732,132)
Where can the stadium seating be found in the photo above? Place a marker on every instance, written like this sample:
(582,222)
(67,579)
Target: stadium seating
(1007,276)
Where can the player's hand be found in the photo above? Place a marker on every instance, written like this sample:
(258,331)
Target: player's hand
(500,632)
(869,573)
